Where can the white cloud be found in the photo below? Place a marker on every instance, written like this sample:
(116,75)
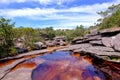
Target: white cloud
(26,12)
(43,2)
(72,18)
(59,2)
(12,1)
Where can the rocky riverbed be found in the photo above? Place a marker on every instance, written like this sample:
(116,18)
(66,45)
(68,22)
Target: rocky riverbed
(92,57)
(50,65)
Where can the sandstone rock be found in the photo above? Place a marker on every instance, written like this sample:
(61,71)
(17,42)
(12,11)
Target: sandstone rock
(111,30)
(44,46)
(116,42)
(94,31)
(49,43)
(86,39)
(95,37)
(107,41)
(95,48)
(4,70)
(74,47)
(96,42)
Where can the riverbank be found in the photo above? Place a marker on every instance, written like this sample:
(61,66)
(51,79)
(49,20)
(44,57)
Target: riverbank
(97,45)
(11,66)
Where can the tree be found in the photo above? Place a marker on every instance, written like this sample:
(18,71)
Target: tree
(6,31)
(79,31)
(7,36)
(111,18)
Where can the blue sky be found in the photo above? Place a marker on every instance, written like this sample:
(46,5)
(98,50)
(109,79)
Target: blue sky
(60,14)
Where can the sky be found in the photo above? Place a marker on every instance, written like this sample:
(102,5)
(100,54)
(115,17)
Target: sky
(59,14)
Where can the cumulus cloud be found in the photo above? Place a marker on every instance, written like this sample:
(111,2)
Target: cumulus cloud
(42,2)
(73,16)
(59,2)
(12,1)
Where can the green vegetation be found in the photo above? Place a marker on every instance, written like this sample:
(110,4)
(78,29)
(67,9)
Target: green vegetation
(6,36)
(111,17)
(8,33)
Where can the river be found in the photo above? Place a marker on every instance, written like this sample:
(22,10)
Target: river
(59,66)
(66,66)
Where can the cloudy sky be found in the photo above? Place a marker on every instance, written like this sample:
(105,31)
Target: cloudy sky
(60,14)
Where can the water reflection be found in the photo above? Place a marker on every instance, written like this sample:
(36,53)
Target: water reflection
(65,66)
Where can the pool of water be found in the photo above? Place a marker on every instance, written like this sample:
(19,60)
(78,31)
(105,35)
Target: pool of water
(65,66)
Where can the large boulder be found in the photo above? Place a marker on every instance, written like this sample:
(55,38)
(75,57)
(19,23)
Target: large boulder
(38,45)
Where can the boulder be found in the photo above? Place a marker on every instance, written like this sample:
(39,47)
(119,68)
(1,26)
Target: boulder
(107,41)
(44,46)
(116,42)
(49,43)
(21,50)
(37,45)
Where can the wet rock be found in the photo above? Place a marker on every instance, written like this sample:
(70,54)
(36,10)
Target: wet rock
(20,74)
(6,68)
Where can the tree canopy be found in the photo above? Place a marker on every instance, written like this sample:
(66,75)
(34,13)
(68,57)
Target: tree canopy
(111,17)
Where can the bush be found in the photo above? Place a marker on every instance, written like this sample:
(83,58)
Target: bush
(3,51)
(13,51)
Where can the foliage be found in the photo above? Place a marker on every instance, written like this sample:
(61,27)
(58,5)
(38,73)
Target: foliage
(8,35)
(12,51)
(111,17)
(6,31)
(3,51)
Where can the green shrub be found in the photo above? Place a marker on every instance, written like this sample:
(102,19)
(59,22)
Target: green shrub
(3,51)
(13,51)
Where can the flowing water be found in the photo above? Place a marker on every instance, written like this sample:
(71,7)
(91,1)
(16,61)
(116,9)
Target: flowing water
(65,66)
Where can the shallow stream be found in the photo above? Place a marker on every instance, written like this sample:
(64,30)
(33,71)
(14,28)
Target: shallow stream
(65,66)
